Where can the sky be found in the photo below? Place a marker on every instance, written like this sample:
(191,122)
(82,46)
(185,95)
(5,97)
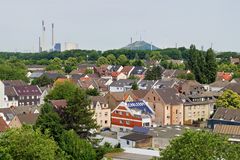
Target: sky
(109,24)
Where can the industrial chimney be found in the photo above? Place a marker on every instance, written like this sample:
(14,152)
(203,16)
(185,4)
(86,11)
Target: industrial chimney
(52,34)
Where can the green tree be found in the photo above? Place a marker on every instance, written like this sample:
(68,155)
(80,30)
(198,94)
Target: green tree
(112,59)
(75,147)
(49,121)
(154,73)
(135,85)
(25,143)
(122,60)
(92,92)
(42,81)
(228,99)
(78,114)
(102,60)
(188,76)
(55,64)
(63,90)
(211,66)
(70,64)
(200,145)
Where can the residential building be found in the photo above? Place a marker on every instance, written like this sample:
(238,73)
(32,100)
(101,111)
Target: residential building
(173,73)
(136,140)
(127,70)
(167,105)
(218,85)
(102,111)
(225,116)
(28,95)
(232,131)
(139,71)
(121,85)
(235,87)
(146,84)
(118,75)
(224,76)
(129,114)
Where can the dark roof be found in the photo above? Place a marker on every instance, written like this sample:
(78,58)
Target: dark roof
(54,75)
(136,137)
(9,91)
(169,96)
(235,87)
(14,83)
(8,113)
(77,76)
(3,125)
(99,99)
(122,83)
(138,70)
(141,130)
(165,83)
(115,68)
(28,118)
(148,84)
(31,90)
(227,114)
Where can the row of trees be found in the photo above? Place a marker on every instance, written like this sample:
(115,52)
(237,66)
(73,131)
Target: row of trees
(203,65)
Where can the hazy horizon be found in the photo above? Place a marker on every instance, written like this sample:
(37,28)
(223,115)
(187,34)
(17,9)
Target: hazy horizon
(109,24)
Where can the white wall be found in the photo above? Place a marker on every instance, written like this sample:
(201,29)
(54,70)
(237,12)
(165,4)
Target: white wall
(2,90)
(123,143)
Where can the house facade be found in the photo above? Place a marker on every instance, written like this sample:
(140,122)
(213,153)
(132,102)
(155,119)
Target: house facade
(130,114)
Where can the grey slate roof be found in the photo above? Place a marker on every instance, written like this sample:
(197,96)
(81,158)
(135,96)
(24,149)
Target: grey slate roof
(136,137)
(138,70)
(122,83)
(227,114)
(169,96)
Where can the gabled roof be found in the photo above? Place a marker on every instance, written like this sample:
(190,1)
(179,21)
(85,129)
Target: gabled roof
(136,137)
(53,75)
(26,109)
(148,84)
(140,94)
(169,96)
(142,130)
(224,76)
(122,83)
(58,104)
(3,125)
(138,70)
(100,99)
(140,105)
(31,90)
(36,74)
(219,83)
(29,119)
(115,68)
(14,83)
(235,87)
(127,69)
(9,91)
(227,114)
(8,113)
(165,83)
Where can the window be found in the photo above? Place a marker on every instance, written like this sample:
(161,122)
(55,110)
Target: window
(154,107)
(32,97)
(176,111)
(27,97)
(128,142)
(121,121)
(120,113)
(127,122)
(154,98)
(127,114)
(106,113)
(105,122)
(167,107)
(116,112)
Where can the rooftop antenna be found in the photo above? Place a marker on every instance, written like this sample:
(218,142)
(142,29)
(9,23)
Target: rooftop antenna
(52,34)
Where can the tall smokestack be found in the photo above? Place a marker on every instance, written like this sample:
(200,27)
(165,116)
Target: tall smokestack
(43,36)
(39,44)
(52,34)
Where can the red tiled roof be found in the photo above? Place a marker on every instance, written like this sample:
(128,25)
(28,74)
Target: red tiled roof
(224,76)
(126,69)
(61,103)
(3,125)
(115,74)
